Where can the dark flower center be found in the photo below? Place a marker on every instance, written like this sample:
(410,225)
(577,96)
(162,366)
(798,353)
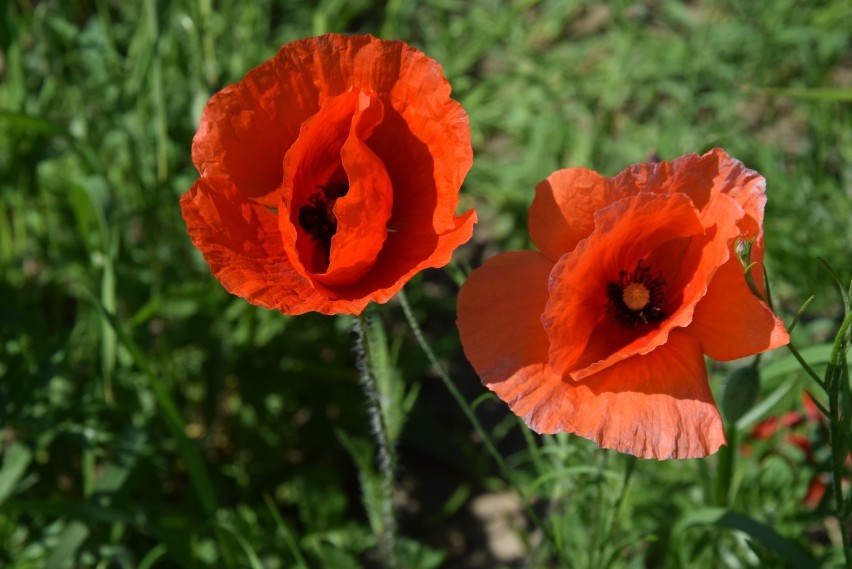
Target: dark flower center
(317,217)
(636,297)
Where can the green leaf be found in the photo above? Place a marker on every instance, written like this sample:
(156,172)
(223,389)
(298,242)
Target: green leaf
(43,127)
(415,555)
(391,387)
(363,454)
(70,540)
(757,412)
(15,461)
(115,472)
(286,533)
(78,509)
(788,550)
(813,355)
(739,393)
(563,474)
(152,556)
(844,293)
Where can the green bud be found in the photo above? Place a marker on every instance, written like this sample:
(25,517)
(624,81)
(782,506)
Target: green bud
(742,247)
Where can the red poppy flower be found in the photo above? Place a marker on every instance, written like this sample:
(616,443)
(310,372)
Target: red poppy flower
(602,331)
(330,175)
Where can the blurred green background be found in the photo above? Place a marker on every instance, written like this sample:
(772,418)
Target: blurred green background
(196,430)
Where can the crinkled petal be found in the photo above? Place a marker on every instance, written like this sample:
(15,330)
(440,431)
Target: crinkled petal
(403,256)
(331,145)
(701,178)
(363,213)
(653,406)
(563,210)
(426,149)
(404,152)
(499,307)
(241,243)
(731,322)
(248,127)
(746,186)
(656,405)
(626,232)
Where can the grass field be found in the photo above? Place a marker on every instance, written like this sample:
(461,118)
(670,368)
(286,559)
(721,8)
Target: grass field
(150,419)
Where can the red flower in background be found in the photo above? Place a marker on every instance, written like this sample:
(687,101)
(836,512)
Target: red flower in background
(602,332)
(330,175)
(794,426)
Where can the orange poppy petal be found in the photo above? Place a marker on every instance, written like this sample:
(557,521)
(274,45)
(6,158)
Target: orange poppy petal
(562,211)
(333,145)
(625,232)
(404,255)
(731,322)
(309,165)
(425,132)
(701,178)
(429,148)
(688,175)
(658,405)
(746,186)
(247,127)
(402,149)
(363,213)
(240,242)
(653,406)
(499,309)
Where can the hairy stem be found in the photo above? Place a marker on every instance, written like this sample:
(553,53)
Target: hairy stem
(386,456)
(486,440)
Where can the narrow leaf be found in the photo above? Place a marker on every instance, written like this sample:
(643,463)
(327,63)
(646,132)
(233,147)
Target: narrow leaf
(787,549)
(15,461)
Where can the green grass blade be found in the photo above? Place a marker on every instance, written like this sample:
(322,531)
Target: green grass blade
(152,556)
(756,413)
(251,555)
(285,531)
(188,451)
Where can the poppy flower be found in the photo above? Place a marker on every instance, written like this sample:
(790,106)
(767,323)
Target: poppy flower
(602,331)
(329,175)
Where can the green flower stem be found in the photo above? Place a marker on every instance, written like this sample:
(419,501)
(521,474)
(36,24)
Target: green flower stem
(837,384)
(726,465)
(808,369)
(489,444)
(386,456)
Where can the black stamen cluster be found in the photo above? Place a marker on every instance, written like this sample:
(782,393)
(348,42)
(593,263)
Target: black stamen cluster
(648,314)
(317,217)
